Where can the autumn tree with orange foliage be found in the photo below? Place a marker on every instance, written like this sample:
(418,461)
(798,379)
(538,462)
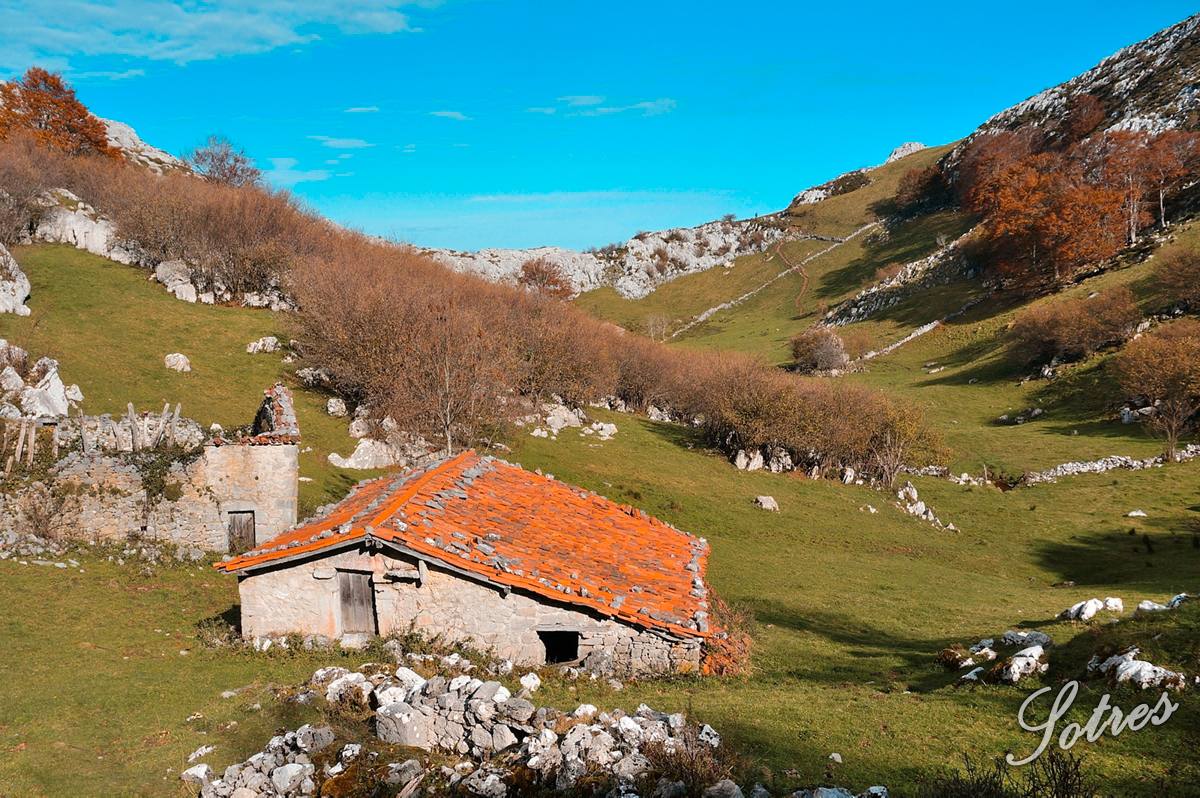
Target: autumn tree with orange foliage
(1163,368)
(41,104)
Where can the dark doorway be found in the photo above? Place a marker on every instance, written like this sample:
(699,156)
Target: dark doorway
(561,647)
(358,603)
(241,531)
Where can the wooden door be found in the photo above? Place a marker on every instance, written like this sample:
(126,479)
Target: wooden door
(358,603)
(241,531)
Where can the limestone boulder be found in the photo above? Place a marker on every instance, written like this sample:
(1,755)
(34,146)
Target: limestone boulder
(401,724)
(14,285)
(369,453)
(47,398)
(177,361)
(767,503)
(264,345)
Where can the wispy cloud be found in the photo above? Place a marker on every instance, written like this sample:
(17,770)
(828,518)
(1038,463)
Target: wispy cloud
(107,74)
(647,108)
(458,116)
(283,173)
(362,109)
(592,105)
(579,100)
(342,144)
(556,197)
(163,30)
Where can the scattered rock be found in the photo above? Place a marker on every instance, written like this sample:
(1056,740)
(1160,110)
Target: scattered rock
(335,407)
(177,362)
(767,503)
(14,285)
(1126,667)
(266,344)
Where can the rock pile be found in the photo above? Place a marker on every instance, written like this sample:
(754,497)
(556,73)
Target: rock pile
(1029,659)
(266,344)
(498,732)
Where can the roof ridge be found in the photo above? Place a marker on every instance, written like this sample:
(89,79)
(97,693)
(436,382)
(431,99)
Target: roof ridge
(414,485)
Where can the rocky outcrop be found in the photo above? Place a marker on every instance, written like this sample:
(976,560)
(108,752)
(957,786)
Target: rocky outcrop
(177,361)
(14,285)
(66,219)
(904,150)
(125,138)
(1149,86)
(635,267)
(942,266)
(33,391)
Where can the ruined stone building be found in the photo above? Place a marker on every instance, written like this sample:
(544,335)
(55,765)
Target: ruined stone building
(222,493)
(476,549)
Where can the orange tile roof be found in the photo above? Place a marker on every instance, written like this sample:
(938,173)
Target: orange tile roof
(522,530)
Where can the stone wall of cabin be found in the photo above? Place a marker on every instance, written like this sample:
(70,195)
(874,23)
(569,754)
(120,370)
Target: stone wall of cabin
(303,598)
(102,497)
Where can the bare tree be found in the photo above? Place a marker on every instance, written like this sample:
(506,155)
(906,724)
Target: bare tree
(543,276)
(1164,368)
(221,162)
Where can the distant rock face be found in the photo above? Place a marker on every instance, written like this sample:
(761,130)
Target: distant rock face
(1153,85)
(14,285)
(634,268)
(124,138)
(904,150)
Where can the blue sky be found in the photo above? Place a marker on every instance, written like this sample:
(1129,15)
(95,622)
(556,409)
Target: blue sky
(469,123)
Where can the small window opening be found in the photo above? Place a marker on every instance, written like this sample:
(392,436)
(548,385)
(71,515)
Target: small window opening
(561,647)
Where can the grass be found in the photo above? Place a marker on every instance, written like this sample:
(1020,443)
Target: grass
(845,626)
(109,327)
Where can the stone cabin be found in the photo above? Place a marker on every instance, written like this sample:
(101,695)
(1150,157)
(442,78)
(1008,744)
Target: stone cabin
(239,491)
(478,550)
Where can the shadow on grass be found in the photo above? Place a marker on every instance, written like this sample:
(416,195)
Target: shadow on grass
(1169,564)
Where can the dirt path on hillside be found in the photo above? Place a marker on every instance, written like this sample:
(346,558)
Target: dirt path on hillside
(791,267)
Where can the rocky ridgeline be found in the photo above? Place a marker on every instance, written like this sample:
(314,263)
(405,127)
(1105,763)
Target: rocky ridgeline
(500,738)
(125,138)
(1149,86)
(32,389)
(635,267)
(1111,463)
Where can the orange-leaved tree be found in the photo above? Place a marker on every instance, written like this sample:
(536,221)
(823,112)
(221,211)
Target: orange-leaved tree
(41,104)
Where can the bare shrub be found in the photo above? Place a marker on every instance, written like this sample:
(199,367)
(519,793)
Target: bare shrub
(690,760)
(1178,277)
(818,348)
(1070,329)
(219,161)
(543,276)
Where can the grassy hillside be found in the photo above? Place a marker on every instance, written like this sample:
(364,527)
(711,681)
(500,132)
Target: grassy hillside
(847,608)
(110,327)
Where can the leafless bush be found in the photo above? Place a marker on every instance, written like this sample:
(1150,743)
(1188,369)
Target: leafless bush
(818,349)
(1071,329)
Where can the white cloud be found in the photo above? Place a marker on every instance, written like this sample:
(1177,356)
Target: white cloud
(161,30)
(458,116)
(578,100)
(647,107)
(363,109)
(342,144)
(592,105)
(107,75)
(283,173)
